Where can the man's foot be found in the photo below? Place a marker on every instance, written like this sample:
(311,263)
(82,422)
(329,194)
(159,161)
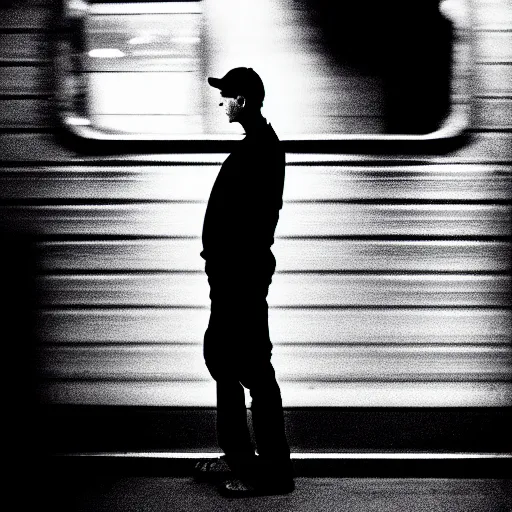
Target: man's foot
(213,470)
(236,488)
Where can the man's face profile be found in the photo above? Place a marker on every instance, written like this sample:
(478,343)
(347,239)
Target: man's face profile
(232,106)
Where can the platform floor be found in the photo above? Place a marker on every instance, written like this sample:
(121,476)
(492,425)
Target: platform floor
(182,494)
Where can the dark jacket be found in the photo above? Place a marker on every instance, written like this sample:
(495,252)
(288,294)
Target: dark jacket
(244,205)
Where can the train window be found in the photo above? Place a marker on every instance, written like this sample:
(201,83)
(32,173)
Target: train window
(332,70)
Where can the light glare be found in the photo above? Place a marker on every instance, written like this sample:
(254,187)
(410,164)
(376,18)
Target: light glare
(106,53)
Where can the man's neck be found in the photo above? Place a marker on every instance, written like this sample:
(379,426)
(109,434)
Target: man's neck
(253,123)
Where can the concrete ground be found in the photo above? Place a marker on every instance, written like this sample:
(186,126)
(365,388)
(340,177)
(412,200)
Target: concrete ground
(182,494)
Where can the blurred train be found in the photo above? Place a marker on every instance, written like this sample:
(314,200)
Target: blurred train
(392,293)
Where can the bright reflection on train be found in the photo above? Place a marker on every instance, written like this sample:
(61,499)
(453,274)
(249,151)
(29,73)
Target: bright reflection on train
(106,53)
(329,72)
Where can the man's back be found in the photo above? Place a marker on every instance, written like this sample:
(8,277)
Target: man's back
(244,204)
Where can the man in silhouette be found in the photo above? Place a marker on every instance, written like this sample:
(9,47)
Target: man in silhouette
(238,232)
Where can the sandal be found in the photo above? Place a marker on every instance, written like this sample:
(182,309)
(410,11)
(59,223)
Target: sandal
(211,470)
(235,488)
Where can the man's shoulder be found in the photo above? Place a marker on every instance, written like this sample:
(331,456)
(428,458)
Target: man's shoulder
(271,135)
(277,148)
(270,141)
(264,134)
(272,131)
(260,150)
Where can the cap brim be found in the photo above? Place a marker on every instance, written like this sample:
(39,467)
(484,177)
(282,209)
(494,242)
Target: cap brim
(215,82)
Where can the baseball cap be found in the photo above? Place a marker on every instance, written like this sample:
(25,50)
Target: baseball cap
(240,81)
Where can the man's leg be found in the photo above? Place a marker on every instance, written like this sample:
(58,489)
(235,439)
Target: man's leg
(257,374)
(232,430)
(268,422)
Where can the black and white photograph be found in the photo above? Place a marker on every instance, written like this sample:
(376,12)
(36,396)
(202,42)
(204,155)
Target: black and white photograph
(256,255)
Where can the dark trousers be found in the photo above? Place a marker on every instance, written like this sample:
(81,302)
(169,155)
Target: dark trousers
(237,351)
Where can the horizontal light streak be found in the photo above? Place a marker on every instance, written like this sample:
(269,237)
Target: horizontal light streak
(295,394)
(142,40)
(171,55)
(159,123)
(314,366)
(325,164)
(306,255)
(292,326)
(430,207)
(305,456)
(146,244)
(106,53)
(286,351)
(302,185)
(288,290)
(149,277)
(78,121)
(180,182)
(146,8)
(299,220)
(404,456)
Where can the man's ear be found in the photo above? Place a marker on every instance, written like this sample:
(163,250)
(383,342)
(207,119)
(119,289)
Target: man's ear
(240,100)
